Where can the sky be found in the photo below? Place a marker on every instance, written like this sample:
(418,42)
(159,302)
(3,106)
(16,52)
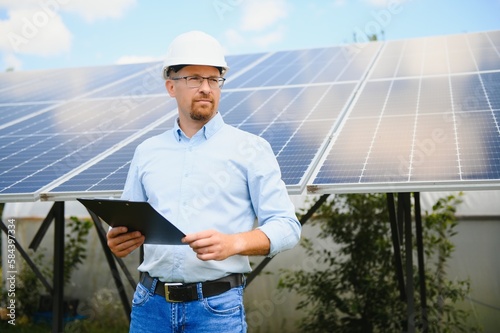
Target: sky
(47,34)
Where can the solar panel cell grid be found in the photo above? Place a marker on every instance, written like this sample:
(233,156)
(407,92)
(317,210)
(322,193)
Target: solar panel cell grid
(434,150)
(37,151)
(402,99)
(241,61)
(494,37)
(373,99)
(263,72)
(149,82)
(481,143)
(461,61)
(450,134)
(380,164)
(116,165)
(350,151)
(491,83)
(468,93)
(359,62)
(332,102)
(434,96)
(66,83)
(10,113)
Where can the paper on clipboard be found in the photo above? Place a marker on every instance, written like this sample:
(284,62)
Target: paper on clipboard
(136,216)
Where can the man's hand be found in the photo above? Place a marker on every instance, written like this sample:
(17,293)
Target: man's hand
(213,245)
(122,242)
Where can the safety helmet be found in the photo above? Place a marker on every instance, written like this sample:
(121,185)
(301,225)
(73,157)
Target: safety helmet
(194,48)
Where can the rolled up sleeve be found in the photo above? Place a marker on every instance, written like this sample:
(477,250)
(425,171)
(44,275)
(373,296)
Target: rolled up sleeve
(272,205)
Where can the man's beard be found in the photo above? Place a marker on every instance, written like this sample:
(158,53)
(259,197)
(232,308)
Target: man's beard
(201,113)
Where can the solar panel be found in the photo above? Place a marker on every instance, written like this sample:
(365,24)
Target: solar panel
(80,142)
(409,114)
(12,113)
(426,118)
(60,84)
(53,144)
(108,175)
(261,112)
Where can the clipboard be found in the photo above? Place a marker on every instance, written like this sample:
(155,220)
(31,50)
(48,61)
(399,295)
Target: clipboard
(136,216)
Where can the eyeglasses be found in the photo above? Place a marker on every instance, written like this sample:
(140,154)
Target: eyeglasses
(197,81)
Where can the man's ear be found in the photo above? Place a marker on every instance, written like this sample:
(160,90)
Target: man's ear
(169,84)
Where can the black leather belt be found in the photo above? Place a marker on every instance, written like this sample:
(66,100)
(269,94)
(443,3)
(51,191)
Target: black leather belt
(186,292)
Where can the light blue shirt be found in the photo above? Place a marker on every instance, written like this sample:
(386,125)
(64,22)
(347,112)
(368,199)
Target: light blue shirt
(222,178)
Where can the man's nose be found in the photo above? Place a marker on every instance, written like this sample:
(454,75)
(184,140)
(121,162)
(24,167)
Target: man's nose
(205,87)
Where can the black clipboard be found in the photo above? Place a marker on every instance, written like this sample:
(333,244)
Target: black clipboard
(136,216)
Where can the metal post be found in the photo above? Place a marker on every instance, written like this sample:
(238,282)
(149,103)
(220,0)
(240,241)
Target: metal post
(405,198)
(396,244)
(420,256)
(43,229)
(112,265)
(58,295)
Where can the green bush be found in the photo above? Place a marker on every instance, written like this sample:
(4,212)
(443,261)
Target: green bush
(355,288)
(29,287)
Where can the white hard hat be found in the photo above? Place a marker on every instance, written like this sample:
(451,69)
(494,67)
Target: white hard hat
(194,48)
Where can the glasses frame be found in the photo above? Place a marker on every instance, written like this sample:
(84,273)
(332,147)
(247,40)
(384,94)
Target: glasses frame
(195,81)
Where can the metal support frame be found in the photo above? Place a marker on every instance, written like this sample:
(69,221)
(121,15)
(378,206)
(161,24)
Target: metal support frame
(302,221)
(56,214)
(402,236)
(37,239)
(28,260)
(112,265)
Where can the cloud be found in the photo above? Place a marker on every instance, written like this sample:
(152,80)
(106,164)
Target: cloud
(36,27)
(11,61)
(385,3)
(339,3)
(233,37)
(265,40)
(259,25)
(261,14)
(133,59)
(34,31)
(92,10)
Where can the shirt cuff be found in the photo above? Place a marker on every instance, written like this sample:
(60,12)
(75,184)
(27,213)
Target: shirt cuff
(283,235)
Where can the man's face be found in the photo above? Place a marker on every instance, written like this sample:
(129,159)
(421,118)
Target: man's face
(198,104)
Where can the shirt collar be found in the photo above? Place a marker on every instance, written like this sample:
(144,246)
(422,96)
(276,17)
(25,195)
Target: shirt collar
(208,129)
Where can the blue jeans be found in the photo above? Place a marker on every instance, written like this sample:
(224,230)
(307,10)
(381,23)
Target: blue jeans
(152,313)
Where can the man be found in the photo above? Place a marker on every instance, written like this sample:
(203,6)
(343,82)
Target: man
(212,181)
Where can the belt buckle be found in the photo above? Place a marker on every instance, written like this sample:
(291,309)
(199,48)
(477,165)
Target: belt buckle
(167,291)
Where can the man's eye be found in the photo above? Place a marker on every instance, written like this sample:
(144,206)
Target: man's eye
(195,79)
